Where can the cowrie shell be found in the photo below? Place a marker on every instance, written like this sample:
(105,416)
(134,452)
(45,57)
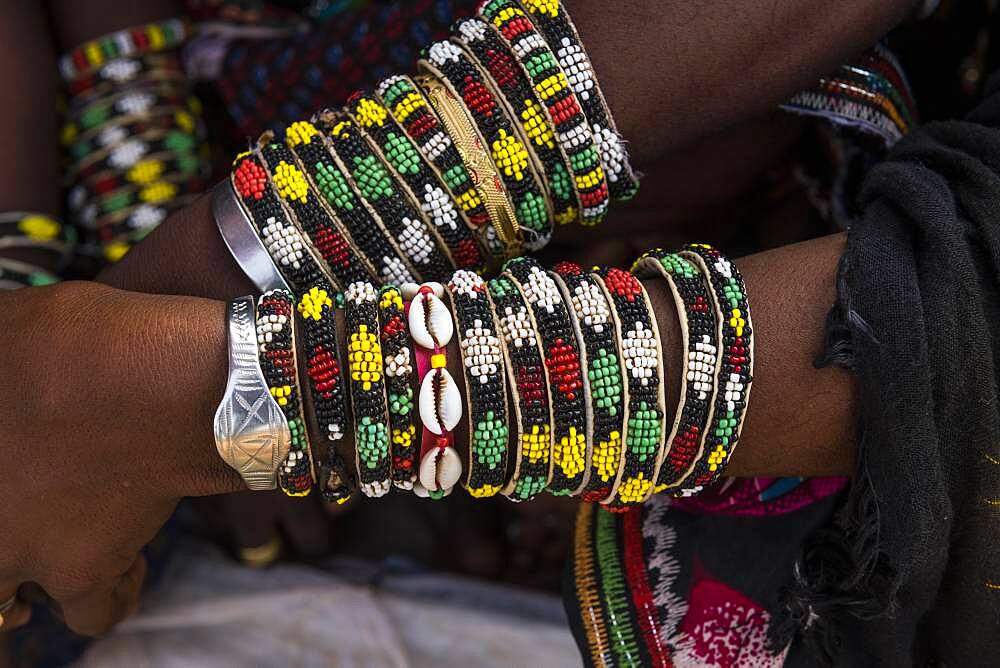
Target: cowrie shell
(440,469)
(440,402)
(430,322)
(422,492)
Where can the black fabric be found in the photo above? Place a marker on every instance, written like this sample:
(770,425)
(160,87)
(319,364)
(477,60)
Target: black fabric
(910,574)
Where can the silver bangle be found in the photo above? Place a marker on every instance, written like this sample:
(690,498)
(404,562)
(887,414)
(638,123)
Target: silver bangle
(242,241)
(251,432)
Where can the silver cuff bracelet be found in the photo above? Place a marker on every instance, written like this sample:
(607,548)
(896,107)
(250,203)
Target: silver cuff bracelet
(251,432)
(241,238)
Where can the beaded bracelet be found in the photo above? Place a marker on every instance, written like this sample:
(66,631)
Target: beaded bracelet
(276,341)
(405,101)
(126,154)
(287,246)
(439,401)
(486,401)
(550,84)
(398,386)
(15,274)
(302,206)
(478,162)
(700,335)
(89,56)
(317,311)
(28,229)
(561,353)
(555,25)
(329,177)
(644,408)
(162,190)
(133,223)
(523,356)
(494,56)
(603,378)
(129,102)
(148,169)
(735,372)
(450,222)
(364,354)
(124,72)
(79,145)
(518,166)
(400,216)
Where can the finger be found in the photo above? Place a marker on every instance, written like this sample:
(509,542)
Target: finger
(96,612)
(253,522)
(16,616)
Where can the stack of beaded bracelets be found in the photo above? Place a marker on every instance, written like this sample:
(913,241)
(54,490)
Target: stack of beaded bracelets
(503,135)
(133,136)
(579,353)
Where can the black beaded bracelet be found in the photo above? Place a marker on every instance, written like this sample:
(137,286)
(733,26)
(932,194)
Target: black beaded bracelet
(29,229)
(339,259)
(364,354)
(486,397)
(555,25)
(603,382)
(517,164)
(276,343)
(699,325)
(285,244)
(735,372)
(510,80)
(329,177)
(411,111)
(317,314)
(523,356)
(561,354)
(400,216)
(642,362)
(419,177)
(399,378)
(571,127)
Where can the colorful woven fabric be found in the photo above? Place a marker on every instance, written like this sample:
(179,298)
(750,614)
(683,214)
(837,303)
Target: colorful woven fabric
(268,85)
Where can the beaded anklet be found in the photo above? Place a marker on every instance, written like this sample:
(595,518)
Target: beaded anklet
(364,354)
(555,24)
(645,415)
(87,57)
(440,402)
(602,380)
(482,359)
(512,83)
(561,353)
(276,341)
(400,217)
(329,177)
(700,334)
(404,99)
(317,312)
(735,373)
(450,222)
(532,456)
(471,147)
(302,206)
(398,386)
(571,127)
(518,165)
(287,246)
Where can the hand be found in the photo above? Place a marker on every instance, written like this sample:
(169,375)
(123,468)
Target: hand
(107,424)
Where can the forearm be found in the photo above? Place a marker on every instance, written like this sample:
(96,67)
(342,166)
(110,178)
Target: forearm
(674,73)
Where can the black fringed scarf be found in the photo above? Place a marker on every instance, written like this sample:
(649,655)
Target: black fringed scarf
(910,574)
